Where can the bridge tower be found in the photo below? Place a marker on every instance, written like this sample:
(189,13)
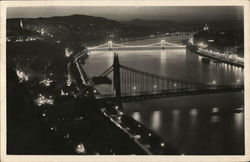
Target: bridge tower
(162,44)
(117,80)
(110,45)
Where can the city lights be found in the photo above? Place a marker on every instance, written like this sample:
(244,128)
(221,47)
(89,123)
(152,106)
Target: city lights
(221,56)
(46,82)
(68,52)
(53,129)
(22,76)
(116,107)
(69,82)
(80,149)
(202,44)
(215,110)
(66,136)
(120,113)
(137,136)
(119,119)
(42,100)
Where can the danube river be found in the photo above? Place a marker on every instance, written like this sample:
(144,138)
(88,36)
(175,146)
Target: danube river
(203,124)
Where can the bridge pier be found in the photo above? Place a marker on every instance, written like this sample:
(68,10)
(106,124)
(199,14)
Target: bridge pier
(110,45)
(117,81)
(162,44)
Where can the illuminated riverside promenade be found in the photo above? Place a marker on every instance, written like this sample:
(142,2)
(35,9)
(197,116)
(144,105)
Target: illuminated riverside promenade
(224,58)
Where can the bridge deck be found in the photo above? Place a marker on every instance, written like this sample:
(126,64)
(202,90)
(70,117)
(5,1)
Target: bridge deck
(136,48)
(171,93)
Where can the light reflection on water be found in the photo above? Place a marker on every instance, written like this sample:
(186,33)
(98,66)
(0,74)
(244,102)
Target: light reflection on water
(137,116)
(214,119)
(175,123)
(156,121)
(215,109)
(193,112)
(197,131)
(193,119)
(238,120)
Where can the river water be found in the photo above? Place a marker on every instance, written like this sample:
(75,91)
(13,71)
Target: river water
(202,124)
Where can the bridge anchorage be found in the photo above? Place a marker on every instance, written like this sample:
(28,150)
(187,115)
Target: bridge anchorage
(132,85)
(159,45)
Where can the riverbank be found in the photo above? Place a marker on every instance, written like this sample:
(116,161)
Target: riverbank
(217,56)
(220,59)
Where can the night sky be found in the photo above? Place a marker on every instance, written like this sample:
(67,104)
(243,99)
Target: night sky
(133,12)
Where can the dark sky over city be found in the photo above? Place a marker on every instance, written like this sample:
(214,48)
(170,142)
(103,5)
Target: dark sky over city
(176,13)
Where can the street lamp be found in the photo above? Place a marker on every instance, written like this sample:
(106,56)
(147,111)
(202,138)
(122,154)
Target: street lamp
(68,52)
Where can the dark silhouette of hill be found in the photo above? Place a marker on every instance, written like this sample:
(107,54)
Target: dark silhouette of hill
(95,30)
(150,23)
(90,29)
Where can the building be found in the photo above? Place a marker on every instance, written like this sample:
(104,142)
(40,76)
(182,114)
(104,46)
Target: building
(205,28)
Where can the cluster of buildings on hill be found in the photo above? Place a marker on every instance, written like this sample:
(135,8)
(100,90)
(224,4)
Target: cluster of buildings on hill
(231,43)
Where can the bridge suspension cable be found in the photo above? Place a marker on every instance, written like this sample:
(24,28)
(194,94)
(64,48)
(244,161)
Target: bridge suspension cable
(134,81)
(172,44)
(111,45)
(100,46)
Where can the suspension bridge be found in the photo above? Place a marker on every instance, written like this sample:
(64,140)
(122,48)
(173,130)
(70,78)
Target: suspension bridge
(113,46)
(132,85)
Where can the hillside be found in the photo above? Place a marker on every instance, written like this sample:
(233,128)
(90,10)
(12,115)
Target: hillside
(88,29)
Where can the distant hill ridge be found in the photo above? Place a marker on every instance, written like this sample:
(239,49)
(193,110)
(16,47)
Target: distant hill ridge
(178,25)
(95,30)
(195,24)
